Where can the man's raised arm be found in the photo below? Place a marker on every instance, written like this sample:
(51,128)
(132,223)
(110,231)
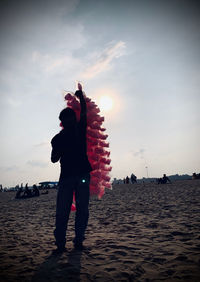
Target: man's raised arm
(83,114)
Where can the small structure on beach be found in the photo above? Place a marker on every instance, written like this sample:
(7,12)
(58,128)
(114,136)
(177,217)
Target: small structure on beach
(48,185)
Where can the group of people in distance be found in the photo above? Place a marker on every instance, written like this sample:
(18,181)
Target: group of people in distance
(26,192)
(163,180)
(132,179)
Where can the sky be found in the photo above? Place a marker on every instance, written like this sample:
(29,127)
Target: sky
(144,55)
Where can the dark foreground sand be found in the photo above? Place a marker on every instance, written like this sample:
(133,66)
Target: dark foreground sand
(135,233)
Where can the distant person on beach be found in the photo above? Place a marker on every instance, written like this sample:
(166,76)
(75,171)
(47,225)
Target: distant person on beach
(127,180)
(69,146)
(133,178)
(163,180)
(27,192)
(19,192)
(36,191)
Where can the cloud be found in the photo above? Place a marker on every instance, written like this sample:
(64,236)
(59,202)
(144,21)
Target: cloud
(13,102)
(42,144)
(38,26)
(36,163)
(23,13)
(103,60)
(52,63)
(139,153)
(9,168)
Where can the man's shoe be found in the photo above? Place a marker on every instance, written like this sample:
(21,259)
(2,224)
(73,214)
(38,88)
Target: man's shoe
(59,250)
(79,246)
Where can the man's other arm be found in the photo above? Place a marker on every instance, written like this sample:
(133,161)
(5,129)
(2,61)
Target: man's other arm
(55,154)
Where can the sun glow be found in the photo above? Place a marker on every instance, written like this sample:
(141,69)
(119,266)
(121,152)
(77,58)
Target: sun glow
(105,103)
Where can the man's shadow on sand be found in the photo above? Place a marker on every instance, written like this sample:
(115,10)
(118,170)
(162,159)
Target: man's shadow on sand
(60,267)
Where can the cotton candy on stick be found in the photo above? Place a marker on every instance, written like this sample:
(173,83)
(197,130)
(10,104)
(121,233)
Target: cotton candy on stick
(97,146)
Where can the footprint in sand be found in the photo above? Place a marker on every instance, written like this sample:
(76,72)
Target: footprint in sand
(181,258)
(110,269)
(152,225)
(159,260)
(121,253)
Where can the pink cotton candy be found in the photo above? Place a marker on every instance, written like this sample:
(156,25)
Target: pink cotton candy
(95,165)
(93,157)
(103,144)
(105,177)
(92,107)
(102,136)
(91,141)
(105,153)
(94,181)
(99,150)
(96,174)
(68,97)
(73,207)
(101,192)
(107,185)
(96,144)
(95,125)
(107,168)
(105,161)
(75,105)
(87,99)
(92,133)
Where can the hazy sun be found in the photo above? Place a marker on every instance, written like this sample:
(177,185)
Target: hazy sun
(105,103)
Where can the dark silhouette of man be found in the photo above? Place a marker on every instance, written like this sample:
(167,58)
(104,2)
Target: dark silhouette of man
(69,146)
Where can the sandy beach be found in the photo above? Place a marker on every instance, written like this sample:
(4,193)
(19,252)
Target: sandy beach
(136,233)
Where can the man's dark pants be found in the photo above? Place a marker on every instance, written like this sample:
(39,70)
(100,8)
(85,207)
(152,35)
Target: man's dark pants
(79,185)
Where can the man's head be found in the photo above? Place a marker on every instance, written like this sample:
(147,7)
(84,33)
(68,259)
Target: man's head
(68,117)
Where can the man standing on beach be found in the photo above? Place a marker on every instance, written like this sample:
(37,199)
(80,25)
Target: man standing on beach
(69,146)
